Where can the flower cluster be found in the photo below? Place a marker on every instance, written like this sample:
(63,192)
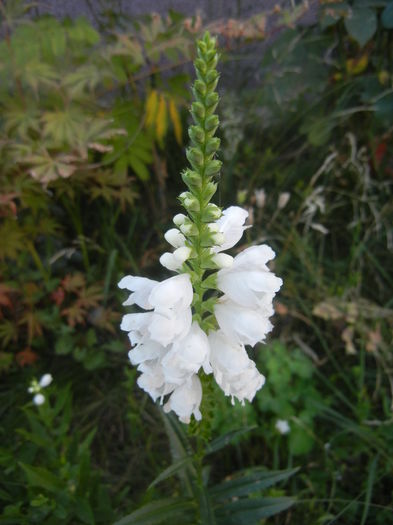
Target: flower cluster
(37,386)
(181,332)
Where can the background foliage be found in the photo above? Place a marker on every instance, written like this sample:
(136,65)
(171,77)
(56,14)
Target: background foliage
(91,146)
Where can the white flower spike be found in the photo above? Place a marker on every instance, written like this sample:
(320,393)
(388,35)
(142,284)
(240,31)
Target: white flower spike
(181,337)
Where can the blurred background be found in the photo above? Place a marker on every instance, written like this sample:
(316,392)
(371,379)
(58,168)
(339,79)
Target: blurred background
(94,99)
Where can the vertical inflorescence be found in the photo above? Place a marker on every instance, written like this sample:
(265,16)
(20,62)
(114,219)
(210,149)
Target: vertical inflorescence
(183,331)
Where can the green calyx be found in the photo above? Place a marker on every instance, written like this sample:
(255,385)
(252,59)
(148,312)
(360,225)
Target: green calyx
(201,177)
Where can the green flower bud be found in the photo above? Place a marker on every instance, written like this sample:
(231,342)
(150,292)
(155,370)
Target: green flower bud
(211,213)
(213,167)
(192,179)
(195,157)
(198,109)
(190,202)
(200,87)
(211,123)
(200,65)
(196,134)
(212,145)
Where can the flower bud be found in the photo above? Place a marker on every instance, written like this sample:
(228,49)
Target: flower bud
(182,254)
(213,227)
(211,123)
(213,167)
(189,229)
(170,262)
(192,178)
(211,213)
(198,110)
(222,260)
(190,202)
(218,238)
(196,134)
(179,219)
(175,238)
(195,157)
(45,380)
(211,99)
(200,87)
(212,145)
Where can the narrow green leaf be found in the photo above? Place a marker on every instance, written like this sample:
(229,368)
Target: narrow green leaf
(173,469)
(227,438)
(158,511)
(249,482)
(250,511)
(369,490)
(40,477)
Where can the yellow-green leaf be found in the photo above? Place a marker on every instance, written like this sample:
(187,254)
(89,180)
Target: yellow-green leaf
(176,122)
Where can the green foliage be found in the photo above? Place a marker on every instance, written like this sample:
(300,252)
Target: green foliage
(48,477)
(90,132)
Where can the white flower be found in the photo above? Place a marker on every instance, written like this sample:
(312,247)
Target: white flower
(231,225)
(260,198)
(171,318)
(243,325)
(38,399)
(283,199)
(45,380)
(179,219)
(152,380)
(233,370)
(282,426)
(186,356)
(185,400)
(249,282)
(37,386)
(142,287)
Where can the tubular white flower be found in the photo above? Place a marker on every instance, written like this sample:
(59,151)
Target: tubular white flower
(249,282)
(185,400)
(231,225)
(175,292)
(146,350)
(45,380)
(152,380)
(175,238)
(141,286)
(241,324)
(233,370)
(186,356)
(171,318)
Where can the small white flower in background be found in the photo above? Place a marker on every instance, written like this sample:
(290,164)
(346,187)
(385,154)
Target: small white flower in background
(260,198)
(37,386)
(283,199)
(282,426)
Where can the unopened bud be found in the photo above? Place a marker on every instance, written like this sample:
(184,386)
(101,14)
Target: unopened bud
(182,254)
(175,238)
(179,219)
(169,261)
(222,260)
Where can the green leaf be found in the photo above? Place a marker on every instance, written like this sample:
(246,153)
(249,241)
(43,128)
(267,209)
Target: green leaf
(139,168)
(227,438)
(361,24)
(41,477)
(251,510)
(250,481)
(158,511)
(171,471)
(387,16)
(84,512)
